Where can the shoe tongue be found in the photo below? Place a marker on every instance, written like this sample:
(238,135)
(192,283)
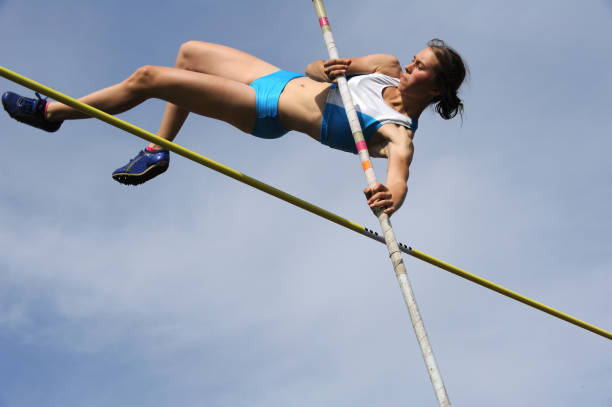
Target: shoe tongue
(34,105)
(39,106)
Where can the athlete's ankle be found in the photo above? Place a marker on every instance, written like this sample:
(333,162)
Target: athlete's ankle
(49,113)
(153,147)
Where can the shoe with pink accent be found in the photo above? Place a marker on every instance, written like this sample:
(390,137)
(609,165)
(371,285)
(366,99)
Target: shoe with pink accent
(146,165)
(29,111)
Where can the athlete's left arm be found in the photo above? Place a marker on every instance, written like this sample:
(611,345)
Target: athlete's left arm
(328,71)
(399,151)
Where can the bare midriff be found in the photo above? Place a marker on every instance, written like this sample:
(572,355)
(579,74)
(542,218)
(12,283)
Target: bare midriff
(301,105)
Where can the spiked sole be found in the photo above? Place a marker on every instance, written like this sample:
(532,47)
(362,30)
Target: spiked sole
(51,127)
(142,177)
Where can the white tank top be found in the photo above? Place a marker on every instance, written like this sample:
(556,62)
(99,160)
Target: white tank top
(373,111)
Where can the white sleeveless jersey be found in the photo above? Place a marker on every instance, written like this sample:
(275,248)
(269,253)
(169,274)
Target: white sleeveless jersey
(373,111)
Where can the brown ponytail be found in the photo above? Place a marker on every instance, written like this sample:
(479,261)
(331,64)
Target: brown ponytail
(450,74)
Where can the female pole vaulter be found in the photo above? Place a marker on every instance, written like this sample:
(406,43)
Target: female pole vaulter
(261,99)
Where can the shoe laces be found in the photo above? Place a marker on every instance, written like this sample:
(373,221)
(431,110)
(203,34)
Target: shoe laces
(141,154)
(35,105)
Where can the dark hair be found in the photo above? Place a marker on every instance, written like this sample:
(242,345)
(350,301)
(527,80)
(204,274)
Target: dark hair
(450,74)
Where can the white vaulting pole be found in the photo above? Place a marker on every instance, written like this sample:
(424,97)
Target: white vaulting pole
(389,236)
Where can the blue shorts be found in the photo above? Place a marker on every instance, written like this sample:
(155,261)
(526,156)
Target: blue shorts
(336,131)
(267,92)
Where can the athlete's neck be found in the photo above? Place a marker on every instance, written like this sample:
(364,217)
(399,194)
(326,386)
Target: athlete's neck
(406,104)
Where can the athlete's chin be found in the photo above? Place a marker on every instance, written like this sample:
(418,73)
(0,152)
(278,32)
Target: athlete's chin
(403,87)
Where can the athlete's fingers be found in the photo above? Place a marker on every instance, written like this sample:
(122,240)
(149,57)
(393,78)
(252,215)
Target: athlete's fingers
(390,210)
(335,74)
(378,187)
(370,189)
(336,67)
(379,197)
(382,203)
(338,61)
(335,71)
(377,193)
(336,64)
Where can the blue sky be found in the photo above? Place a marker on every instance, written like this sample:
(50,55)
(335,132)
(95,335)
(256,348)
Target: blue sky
(196,290)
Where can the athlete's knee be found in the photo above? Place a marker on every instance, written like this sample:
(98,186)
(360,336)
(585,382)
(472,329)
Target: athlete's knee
(143,78)
(189,52)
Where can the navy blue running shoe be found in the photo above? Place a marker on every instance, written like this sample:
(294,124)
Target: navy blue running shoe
(29,111)
(143,167)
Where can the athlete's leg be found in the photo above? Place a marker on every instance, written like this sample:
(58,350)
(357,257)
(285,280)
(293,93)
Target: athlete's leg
(207,95)
(202,57)
(113,100)
(220,60)
(204,94)
(213,59)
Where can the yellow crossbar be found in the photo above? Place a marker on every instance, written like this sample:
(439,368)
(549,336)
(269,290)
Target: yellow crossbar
(207,162)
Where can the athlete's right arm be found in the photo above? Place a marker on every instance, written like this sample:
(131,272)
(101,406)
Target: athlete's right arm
(328,71)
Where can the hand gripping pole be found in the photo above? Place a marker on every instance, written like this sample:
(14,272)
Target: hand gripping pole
(389,236)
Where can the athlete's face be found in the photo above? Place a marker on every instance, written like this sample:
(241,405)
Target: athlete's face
(420,75)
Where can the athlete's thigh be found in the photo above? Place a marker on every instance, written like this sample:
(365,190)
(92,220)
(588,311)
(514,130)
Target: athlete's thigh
(207,95)
(224,61)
